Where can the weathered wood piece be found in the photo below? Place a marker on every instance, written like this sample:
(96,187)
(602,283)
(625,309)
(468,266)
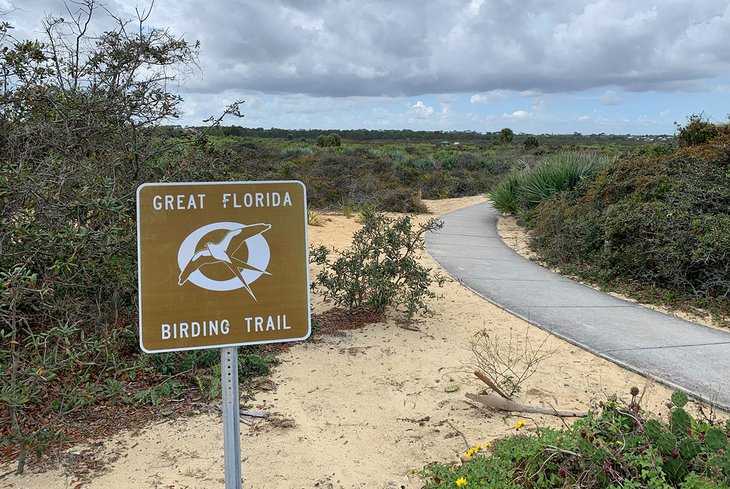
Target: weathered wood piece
(483,377)
(255,414)
(495,401)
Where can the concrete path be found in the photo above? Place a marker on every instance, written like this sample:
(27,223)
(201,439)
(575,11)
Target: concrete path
(678,353)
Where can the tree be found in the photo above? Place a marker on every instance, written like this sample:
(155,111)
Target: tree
(97,89)
(78,111)
(506,135)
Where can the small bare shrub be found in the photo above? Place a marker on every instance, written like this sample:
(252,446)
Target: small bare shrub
(508,361)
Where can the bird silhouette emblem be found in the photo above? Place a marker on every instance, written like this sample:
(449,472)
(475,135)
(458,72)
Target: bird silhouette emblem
(236,260)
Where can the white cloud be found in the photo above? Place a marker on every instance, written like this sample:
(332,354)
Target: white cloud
(305,59)
(610,98)
(414,48)
(518,114)
(420,109)
(489,96)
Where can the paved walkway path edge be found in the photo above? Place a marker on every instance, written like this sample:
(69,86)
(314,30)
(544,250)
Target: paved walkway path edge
(703,396)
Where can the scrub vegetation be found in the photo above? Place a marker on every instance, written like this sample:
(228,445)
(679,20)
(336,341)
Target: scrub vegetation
(526,187)
(654,224)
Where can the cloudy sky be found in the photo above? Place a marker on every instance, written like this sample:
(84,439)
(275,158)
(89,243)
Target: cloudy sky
(536,66)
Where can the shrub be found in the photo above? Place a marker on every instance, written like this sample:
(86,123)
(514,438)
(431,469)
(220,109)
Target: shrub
(296,151)
(504,194)
(698,130)
(75,146)
(380,269)
(523,190)
(559,172)
(620,446)
(531,142)
(656,149)
(330,140)
(656,227)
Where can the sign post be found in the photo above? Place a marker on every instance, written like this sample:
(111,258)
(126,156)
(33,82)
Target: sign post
(231,427)
(221,265)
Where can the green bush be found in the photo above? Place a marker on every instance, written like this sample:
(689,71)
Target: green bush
(523,190)
(559,172)
(296,151)
(698,130)
(531,142)
(504,195)
(655,226)
(386,179)
(506,135)
(656,149)
(620,446)
(380,269)
(75,146)
(329,140)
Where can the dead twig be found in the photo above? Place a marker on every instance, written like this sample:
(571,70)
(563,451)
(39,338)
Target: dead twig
(466,442)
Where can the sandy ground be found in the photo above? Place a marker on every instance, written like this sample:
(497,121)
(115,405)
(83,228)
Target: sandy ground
(367,408)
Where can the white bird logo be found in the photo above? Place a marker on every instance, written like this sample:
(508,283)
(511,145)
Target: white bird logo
(221,252)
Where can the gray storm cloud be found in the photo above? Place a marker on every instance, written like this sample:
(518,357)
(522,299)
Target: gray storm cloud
(413,47)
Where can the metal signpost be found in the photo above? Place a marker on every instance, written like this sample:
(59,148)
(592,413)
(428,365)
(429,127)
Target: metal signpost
(222,265)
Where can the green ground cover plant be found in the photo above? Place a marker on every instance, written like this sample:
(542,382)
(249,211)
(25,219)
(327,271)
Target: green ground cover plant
(616,446)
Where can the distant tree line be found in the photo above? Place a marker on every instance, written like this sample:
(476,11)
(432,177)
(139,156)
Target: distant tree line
(504,136)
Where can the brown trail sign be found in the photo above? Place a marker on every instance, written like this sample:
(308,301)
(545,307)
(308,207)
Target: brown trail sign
(222,265)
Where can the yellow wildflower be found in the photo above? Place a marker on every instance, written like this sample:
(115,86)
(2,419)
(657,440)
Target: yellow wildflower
(469,453)
(460,482)
(520,424)
(487,444)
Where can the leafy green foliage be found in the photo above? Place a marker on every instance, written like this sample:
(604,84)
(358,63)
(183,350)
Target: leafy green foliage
(329,140)
(617,447)
(504,194)
(657,225)
(387,179)
(656,149)
(506,135)
(380,269)
(531,142)
(78,135)
(698,130)
(523,190)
